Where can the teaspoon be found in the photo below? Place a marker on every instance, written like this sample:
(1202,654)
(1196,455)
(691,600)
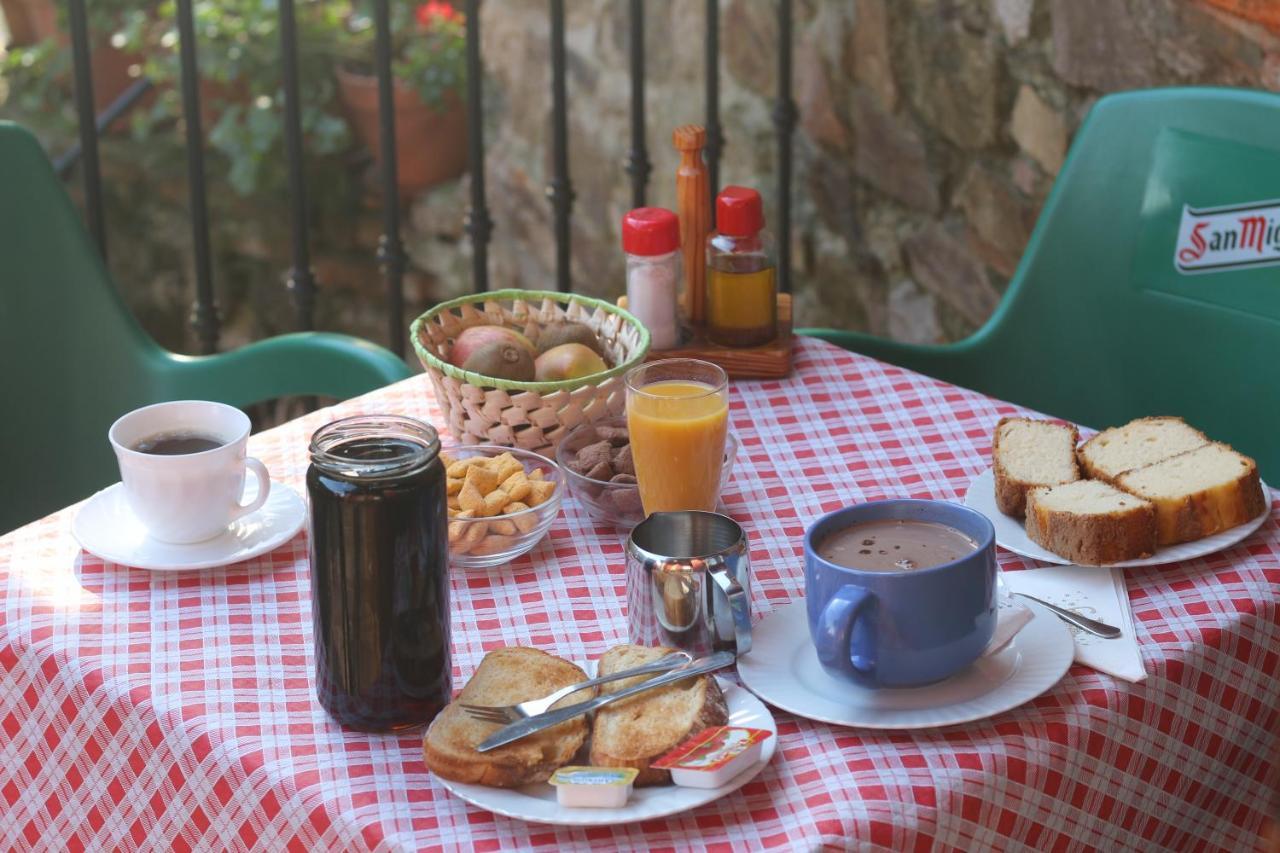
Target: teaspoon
(1093,626)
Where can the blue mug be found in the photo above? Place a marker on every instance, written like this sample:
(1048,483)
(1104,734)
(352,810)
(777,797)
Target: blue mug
(901,629)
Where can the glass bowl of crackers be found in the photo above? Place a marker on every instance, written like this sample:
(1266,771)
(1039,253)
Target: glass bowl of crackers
(502,501)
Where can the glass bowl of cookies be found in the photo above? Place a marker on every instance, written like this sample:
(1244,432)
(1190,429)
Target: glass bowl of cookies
(502,501)
(595,461)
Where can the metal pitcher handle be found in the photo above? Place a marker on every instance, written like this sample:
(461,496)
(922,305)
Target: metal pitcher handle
(739,606)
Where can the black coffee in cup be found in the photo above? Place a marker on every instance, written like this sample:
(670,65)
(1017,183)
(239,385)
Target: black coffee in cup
(176,443)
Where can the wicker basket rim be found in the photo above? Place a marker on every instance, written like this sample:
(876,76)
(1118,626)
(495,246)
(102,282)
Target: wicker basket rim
(481,381)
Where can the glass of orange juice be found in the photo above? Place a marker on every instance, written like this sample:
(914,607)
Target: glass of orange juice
(678,416)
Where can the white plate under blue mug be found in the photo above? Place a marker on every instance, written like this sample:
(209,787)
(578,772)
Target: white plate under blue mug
(782,668)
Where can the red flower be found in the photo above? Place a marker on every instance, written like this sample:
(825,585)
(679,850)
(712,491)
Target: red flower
(436,10)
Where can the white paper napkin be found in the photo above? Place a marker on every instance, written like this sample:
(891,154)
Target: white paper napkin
(1097,592)
(1011,617)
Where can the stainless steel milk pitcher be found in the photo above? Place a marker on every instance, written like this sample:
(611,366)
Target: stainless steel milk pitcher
(689,583)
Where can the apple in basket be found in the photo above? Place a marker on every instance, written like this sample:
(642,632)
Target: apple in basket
(563,351)
(494,351)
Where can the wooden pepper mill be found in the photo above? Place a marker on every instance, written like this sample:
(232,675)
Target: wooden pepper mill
(693,206)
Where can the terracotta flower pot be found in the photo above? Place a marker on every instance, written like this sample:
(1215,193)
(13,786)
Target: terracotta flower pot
(110,70)
(30,21)
(33,21)
(431,146)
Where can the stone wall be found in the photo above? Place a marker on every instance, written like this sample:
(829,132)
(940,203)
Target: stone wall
(930,133)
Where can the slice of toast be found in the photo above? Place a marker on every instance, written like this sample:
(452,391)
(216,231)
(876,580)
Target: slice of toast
(1091,522)
(504,677)
(1137,444)
(1026,453)
(633,732)
(1199,493)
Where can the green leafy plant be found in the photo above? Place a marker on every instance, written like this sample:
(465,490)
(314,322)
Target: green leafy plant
(239,62)
(38,77)
(239,56)
(428,47)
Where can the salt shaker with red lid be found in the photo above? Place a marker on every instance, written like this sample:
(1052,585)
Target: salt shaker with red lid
(651,241)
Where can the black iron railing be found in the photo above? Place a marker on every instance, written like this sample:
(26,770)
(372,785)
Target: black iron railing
(391,258)
(88,124)
(479,225)
(715,133)
(204,315)
(301,281)
(391,255)
(638,165)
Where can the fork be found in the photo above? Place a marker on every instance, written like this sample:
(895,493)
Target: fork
(533,707)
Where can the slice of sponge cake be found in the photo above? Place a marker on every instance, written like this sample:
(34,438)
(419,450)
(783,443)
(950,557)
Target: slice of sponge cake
(1090,521)
(1136,444)
(1199,492)
(1027,453)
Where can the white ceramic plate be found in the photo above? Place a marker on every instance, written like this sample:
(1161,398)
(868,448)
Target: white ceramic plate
(783,670)
(107,528)
(537,803)
(1012,535)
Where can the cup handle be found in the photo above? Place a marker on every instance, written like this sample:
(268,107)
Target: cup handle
(264,488)
(844,630)
(739,606)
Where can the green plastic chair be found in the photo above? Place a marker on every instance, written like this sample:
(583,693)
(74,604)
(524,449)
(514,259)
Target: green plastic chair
(1099,324)
(74,359)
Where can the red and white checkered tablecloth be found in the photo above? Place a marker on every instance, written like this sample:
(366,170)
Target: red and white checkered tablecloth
(176,711)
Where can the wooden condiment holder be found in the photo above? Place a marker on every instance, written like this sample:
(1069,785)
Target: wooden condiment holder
(693,206)
(767,361)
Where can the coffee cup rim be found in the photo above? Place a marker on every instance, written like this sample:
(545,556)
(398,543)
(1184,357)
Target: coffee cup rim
(129,452)
(986,542)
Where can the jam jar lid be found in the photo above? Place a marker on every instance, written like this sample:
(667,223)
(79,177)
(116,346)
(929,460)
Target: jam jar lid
(374,447)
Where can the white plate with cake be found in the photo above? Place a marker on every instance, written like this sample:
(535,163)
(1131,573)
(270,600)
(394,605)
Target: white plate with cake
(511,780)
(1153,491)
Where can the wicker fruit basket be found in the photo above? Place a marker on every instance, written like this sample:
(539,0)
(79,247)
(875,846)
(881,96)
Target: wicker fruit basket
(532,415)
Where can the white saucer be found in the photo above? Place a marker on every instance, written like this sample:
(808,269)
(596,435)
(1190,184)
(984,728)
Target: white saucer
(537,803)
(783,670)
(1012,535)
(107,528)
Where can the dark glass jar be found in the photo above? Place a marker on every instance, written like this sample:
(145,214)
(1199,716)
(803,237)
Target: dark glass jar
(379,572)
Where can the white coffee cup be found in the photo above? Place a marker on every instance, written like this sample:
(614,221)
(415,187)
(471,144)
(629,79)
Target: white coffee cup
(189,497)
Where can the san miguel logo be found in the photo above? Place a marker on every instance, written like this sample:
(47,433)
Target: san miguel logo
(1216,238)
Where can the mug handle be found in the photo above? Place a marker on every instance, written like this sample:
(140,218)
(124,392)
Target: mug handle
(739,606)
(264,489)
(844,629)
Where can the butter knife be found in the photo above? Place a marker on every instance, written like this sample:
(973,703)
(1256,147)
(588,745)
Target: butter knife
(515,731)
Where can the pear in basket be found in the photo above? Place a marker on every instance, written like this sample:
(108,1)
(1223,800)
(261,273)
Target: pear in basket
(568,361)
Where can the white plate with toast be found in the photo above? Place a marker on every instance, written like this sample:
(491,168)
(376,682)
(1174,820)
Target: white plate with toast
(537,803)
(1012,535)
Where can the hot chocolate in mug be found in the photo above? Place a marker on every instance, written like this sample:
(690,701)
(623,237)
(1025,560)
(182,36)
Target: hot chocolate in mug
(902,628)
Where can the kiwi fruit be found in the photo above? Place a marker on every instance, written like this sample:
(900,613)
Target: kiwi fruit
(502,361)
(555,334)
